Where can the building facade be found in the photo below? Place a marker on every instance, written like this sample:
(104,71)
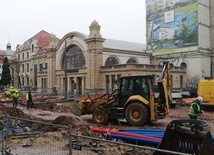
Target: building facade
(179,31)
(212,37)
(190,41)
(80,63)
(30,58)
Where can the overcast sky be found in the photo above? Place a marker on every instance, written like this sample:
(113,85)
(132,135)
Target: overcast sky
(119,19)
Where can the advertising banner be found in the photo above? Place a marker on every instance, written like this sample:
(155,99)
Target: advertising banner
(172,26)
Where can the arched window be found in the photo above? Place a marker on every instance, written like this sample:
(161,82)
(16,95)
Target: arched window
(111,61)
(32,46)
(131,61)
(73,58)
(183,65)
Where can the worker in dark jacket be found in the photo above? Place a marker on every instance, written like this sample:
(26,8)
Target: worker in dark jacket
(195,108)
(29,100)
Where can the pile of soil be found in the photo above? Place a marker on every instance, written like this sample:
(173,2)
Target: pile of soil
(14,112)
(67,121)
(76,123)
(11,111)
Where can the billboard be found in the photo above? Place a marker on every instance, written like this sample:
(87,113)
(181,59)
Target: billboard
(172,26)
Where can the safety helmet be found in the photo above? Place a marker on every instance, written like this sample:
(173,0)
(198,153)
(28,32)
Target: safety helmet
(199,98)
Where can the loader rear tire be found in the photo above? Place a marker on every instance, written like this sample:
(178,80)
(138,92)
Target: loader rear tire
(136,114)
(100,116)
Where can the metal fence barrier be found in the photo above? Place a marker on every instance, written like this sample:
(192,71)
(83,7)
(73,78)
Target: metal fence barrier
(29,137)
(84,145)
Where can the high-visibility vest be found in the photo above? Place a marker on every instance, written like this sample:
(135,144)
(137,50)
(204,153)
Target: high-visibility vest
(191,109)
(7,93)
(16,95)
(27,96)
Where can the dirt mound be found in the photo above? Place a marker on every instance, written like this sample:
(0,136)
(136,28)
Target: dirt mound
(15,112)
(12,112)
(62,107)
(75,123)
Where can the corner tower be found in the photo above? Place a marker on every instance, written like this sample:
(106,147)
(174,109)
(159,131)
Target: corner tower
(95,50)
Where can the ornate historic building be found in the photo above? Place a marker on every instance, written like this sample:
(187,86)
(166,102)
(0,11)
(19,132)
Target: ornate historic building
(181,32)
(80,63)
(29,58)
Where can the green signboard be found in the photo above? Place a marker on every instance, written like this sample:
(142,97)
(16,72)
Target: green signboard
(174,51)
(172,27)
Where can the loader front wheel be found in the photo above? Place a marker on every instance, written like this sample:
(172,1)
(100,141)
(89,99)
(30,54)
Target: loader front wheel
(100,116)
(136,114)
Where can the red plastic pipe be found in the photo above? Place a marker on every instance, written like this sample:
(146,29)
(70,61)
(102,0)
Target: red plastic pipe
(108,131)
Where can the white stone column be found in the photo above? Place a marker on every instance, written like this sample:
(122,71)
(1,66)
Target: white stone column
(83,84)
(68,85)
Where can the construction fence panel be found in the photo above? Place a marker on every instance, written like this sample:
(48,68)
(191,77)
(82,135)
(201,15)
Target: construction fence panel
(102,145)
(29,137)
(3,144)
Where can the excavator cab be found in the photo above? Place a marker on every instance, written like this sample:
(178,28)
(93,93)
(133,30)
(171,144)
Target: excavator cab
(135,85)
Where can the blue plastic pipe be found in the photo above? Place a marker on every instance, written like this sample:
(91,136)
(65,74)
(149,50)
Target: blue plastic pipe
(135,139)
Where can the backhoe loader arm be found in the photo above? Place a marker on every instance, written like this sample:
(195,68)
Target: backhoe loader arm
(164,85)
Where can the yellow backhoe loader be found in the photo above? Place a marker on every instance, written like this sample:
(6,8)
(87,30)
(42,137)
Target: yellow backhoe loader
(133,101)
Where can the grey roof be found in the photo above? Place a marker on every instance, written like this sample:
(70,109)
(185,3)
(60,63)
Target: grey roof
(118,44)
(124,45)
(84,36)
(8,52)
(8,45)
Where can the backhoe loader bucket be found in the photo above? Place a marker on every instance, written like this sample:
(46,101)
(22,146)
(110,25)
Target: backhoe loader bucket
(187,136)
(76,111)
(81,106)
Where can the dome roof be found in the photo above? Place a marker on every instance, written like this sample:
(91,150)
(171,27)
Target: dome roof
(8,51)
(8,45)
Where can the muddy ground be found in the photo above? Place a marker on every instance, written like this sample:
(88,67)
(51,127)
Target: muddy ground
(60,113)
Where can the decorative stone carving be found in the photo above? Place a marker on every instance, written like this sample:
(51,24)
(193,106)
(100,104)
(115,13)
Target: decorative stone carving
(53,41)
(94,30)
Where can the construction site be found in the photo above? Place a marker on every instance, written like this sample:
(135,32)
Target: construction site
(87,94)
(50,127)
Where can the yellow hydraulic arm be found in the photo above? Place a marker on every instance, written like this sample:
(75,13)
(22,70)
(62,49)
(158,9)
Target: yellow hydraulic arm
(164,85)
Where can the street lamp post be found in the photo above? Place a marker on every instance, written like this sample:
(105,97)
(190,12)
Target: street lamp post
(66,88)
(12,81)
